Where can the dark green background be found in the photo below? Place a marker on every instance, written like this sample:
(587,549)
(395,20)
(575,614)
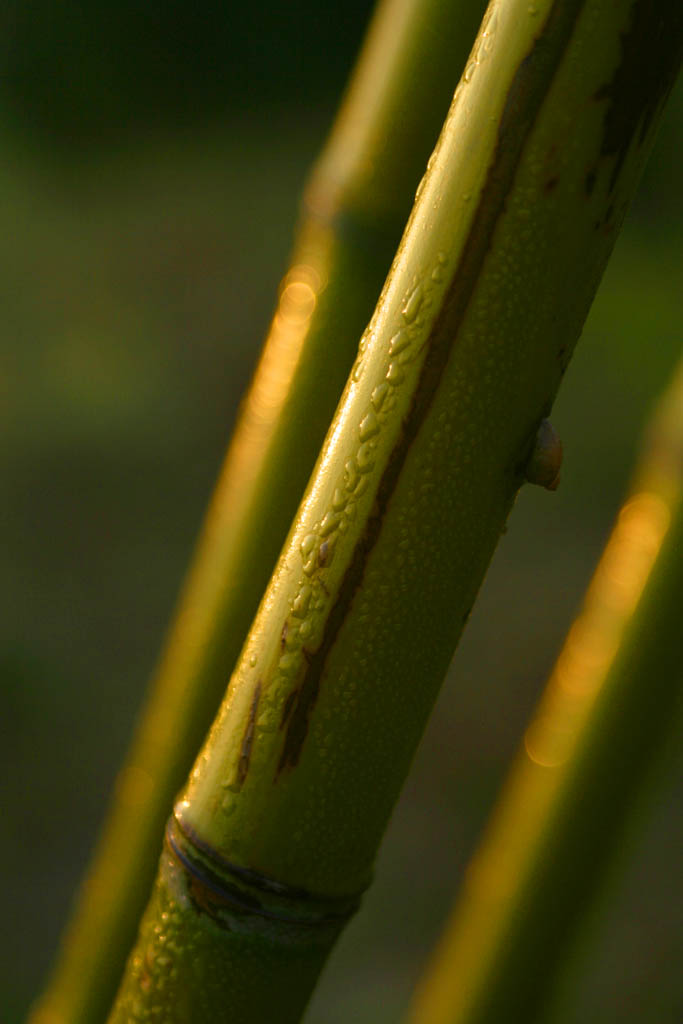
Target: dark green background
(152,160)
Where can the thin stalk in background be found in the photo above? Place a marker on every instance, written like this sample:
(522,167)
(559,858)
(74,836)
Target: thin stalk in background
(355,208)
(599,726)
(274,837)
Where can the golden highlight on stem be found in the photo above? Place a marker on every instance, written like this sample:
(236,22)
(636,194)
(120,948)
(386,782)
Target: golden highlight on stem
(562,806)
(273,377)
(594,639)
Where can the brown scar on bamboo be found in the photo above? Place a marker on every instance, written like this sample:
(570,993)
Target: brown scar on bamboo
(248,738)
(298,714)
(639,85)
(545,461)
(288,707)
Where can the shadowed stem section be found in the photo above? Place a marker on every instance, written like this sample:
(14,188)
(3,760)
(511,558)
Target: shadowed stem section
(355,207)
(600,723)
(483,304)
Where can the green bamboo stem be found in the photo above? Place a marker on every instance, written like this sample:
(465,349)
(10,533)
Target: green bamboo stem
(355,207)
(274,837)
(599,725)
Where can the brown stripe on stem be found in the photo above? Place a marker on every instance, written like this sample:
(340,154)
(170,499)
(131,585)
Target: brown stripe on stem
(248,738)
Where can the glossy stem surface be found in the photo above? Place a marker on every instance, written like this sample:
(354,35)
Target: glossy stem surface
(355,208)
(514,222)
(600,723)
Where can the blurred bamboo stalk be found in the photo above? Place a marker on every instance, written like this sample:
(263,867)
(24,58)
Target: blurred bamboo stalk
(273,839)
(599,725)
(355,207)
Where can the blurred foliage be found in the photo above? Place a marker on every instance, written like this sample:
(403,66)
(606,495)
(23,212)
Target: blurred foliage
(83,73)
(136,283)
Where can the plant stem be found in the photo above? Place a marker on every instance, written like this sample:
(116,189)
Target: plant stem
(355,207)
(274,837)
(599,724)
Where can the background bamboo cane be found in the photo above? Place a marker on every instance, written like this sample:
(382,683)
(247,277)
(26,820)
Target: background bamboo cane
(600,725)
(264,825)
(355,207)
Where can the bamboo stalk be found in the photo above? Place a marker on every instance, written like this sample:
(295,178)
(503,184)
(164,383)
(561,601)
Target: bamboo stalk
(273,839)
(355,207)
(598,727)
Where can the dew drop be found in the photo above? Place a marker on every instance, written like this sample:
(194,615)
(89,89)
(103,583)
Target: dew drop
(412,306)
(365,458)
(350,474)
(301,602)
(368,427)
(329,524)
(398,342)
(288,662)
(307,544)
(394,374)
(339,498)
(377,398)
